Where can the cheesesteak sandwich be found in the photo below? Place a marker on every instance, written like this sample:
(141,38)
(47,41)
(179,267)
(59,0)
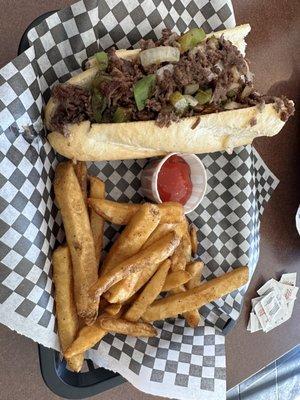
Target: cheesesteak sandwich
(188,93)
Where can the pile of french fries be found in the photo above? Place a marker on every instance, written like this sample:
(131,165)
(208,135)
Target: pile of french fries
(153,254)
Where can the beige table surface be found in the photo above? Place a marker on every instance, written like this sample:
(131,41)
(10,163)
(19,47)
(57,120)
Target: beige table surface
(273,48)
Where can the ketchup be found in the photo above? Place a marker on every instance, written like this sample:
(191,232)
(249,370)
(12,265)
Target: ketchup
(174,180)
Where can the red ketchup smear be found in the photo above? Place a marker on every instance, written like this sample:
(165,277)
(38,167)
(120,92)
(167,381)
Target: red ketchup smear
(174,180)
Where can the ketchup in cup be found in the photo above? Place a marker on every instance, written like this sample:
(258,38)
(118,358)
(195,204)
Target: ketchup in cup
(174,180)
(177,177)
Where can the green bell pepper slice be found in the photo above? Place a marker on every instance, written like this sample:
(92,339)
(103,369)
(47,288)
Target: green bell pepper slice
(102,60)
(143,89)
(190,39)
(204,96)
(99,104)
(121,114)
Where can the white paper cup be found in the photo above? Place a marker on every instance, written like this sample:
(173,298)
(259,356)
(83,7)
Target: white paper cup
(198,177)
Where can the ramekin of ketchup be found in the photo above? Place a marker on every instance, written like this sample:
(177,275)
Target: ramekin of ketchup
(177,177)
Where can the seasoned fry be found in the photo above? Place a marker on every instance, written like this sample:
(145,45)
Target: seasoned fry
(133,237)
(131,299)
(121,213)
(178,259)
(159,232)
(175,279)
(126,327)
(97,190)
(197,297)
(171,212)
(192,318)
(195,269)
(187,247)
(114,212)
(113,309)
(144,277)
(131,240)
(67,319)
(149,294)
(88,337)
(194,240)
(154,254)
(80,169)
(162,229)
(79,238)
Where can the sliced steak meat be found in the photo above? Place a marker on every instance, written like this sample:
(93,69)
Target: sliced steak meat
(145,44)
(168,38)
(215,64)
(74,106)
(166,116)
(144,115)
(284,107)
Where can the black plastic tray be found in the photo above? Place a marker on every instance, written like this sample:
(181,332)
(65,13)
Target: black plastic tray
(62,382)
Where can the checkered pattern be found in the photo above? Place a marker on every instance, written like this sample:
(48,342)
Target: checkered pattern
(239,185)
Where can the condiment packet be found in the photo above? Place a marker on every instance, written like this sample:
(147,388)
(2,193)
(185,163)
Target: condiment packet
(267,287)
(255,301)
(289,292)
(289,279)
(274,304)
(255,325)
(261,315)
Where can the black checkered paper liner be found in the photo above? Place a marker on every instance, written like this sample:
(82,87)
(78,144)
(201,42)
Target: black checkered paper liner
(180,362)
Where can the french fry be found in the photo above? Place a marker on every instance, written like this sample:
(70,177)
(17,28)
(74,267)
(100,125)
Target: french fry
(175,279)
(149,294)
(97,190)
(121,213)
(162,229)
(135,234)
(80,169)
(126,327)
(192,318)
(86,339)
(154,254)
(144,277)
(171,212)
(178,259)
(159,232)
(194,240)
(195,298)
(195,269)
(131,299)
(67,319)
(131,240)
(79,238)
(113,309)
(88,336)
(187,248)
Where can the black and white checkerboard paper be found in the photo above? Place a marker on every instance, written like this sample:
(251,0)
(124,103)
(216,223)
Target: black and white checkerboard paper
(180,362)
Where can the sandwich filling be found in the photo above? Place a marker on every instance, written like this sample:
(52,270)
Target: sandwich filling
(174,77)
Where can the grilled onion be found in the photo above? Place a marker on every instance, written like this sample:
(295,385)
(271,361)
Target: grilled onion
(158,55)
